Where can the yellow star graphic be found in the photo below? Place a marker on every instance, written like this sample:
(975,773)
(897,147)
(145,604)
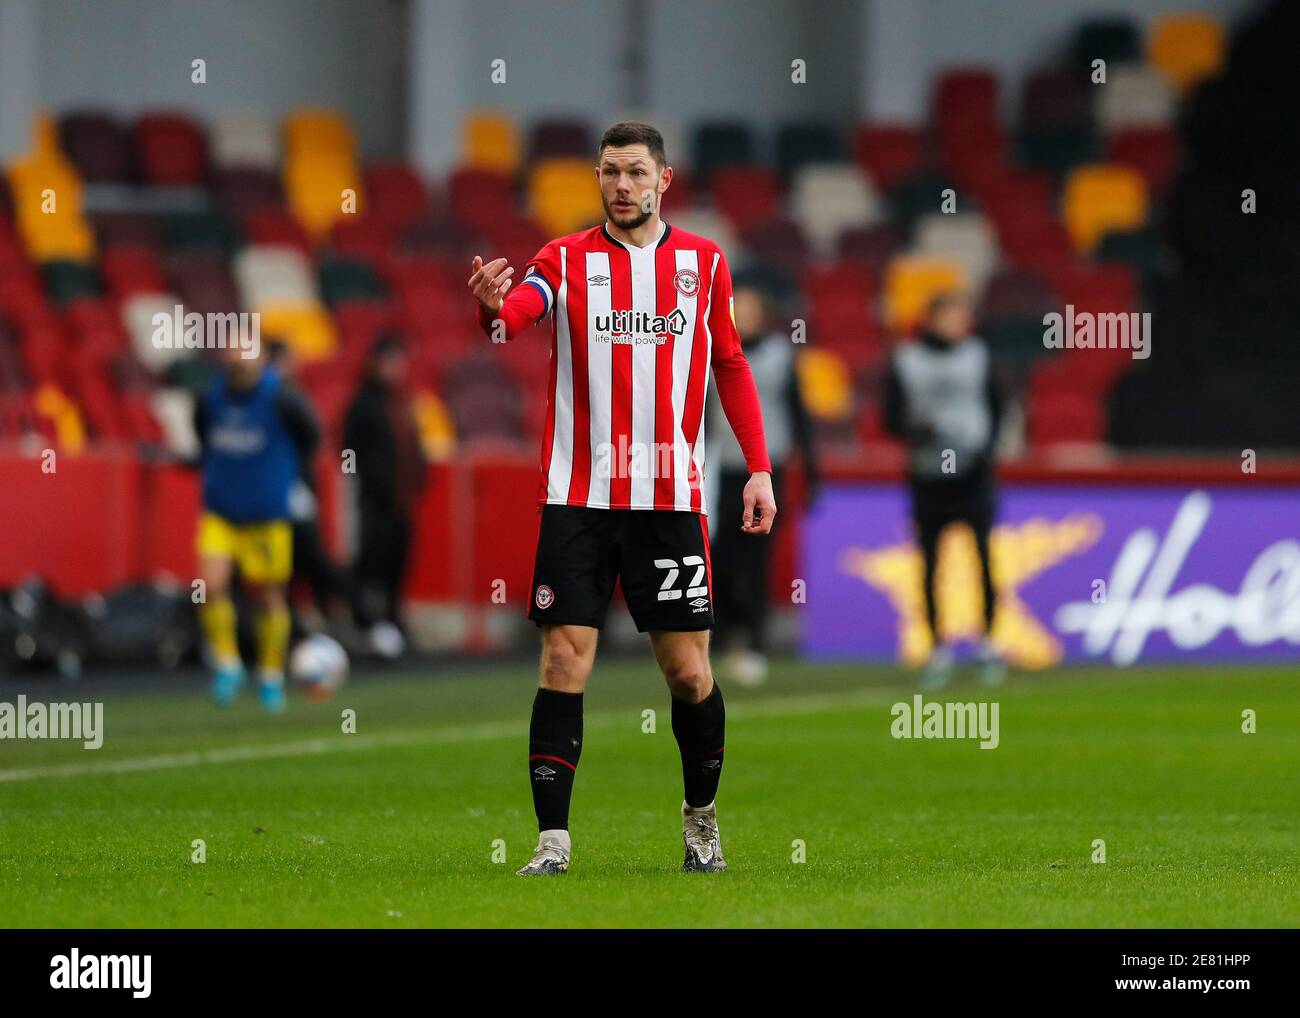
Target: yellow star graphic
(1018,552)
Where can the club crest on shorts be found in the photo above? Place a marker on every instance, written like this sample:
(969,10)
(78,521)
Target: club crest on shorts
(545,597)
(687,282)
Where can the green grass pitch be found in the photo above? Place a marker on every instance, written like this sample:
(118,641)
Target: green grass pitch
(395,825)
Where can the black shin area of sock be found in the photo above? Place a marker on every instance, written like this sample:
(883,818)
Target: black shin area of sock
(700,729)
(554,745)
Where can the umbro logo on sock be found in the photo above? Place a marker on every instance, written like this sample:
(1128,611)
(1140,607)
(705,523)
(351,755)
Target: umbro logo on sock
(543,772)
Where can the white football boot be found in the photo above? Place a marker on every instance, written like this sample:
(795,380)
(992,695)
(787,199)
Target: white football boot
(551,857)
(703,844)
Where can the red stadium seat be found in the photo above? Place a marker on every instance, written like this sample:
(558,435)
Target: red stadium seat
(746,194)
(888,152)
(171,150)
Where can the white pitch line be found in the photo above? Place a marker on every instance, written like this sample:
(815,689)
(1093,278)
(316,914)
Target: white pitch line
(811,704)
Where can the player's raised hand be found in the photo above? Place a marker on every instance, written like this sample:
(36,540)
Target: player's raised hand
(760,504)
(489,283)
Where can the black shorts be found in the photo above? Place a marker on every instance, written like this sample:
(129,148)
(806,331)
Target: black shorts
(660,555)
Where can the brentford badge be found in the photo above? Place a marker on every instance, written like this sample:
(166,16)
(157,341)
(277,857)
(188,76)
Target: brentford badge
(687,282)
(545,597)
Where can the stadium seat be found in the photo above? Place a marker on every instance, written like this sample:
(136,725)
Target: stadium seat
(320,168)
(917,195)
(244,140)
(241,189)
(777,242)
(746,194)
(126,228)
(97,145)
(170,150)
(872,245)
(213,230)
(1100,198)
(1116,40)
(709,223)
(66,281)
(203,281)
(490,142)
(911,281)
(272,226)
(1141,250)
(965,101)
(719,144)
(562,138)
(1186,49)
(828,198)
(395,193)
(1134,97)
(888,152)
(562,196)
(805,143)
(306,328)
(274,275)
(343,281)
(826,385)
(965,238)
(1062,417)
(1152,151)
(477,197)
(138,314)
(128,270)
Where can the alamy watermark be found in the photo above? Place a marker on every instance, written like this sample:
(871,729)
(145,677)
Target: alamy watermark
(77,721)
(176,330)
(1086,330)
(936,720)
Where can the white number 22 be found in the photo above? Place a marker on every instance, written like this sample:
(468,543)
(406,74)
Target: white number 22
(666,591)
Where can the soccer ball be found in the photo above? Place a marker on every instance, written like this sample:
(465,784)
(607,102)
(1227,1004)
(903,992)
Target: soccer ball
(319,664)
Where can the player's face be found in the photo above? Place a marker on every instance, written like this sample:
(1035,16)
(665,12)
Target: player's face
(630,185)
(953,322)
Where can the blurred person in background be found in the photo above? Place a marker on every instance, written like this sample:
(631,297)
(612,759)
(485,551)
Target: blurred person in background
(381,431)
(742,563)
(331,587)
(942,399)
(255,431)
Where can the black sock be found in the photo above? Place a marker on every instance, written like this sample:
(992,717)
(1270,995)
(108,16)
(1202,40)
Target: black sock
(700,729)
(554,745)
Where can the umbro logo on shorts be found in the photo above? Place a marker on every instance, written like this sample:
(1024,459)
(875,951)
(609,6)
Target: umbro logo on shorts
(545,597)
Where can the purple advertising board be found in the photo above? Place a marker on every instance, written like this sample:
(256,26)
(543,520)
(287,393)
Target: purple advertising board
(1116,575)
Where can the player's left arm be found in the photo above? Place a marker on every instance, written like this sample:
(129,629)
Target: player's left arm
(739,398)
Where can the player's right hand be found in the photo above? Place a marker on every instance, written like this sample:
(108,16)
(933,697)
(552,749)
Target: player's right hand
(489,283)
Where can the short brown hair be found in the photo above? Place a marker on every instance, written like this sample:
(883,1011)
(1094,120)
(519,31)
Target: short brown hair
(629,132)
(944,299)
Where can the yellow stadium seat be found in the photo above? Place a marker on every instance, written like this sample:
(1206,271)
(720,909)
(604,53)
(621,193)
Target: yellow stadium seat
(911,281)
(491,143)
(1186,48)
(307,329)
(1101,198)
(318,131)
(47,196)
(434,424)
(826,384)
(316,187)
(64,415)
(564,195)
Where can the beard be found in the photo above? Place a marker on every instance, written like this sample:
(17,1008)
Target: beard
(628,220)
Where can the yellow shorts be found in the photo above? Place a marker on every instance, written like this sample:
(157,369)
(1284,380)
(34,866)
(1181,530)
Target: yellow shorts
(263,551)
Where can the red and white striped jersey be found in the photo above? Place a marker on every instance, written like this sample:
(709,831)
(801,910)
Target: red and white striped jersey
(635,332)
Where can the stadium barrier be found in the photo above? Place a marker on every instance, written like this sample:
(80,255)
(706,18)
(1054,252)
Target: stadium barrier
(107,518)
